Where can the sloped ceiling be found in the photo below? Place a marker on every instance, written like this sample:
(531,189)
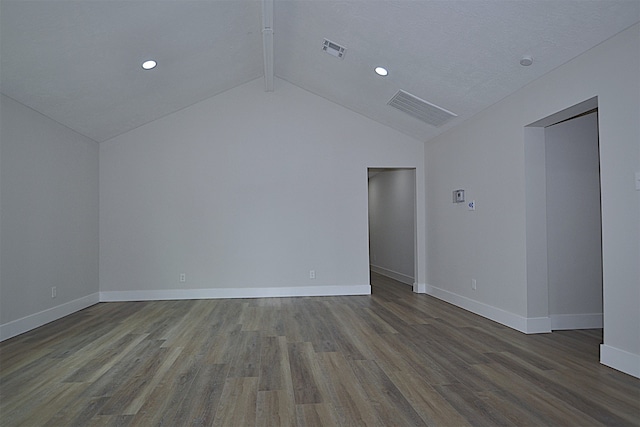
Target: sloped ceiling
(78,61)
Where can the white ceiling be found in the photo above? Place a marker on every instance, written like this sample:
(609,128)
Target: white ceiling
(78,61)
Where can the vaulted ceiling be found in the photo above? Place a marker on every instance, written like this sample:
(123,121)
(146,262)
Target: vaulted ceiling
(79,61)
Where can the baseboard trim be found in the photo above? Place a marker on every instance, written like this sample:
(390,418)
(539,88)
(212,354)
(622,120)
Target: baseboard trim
(527,325)
(620,360)
(27,323)
(400,277)
(537,325)
(420,288)
(220,293)
(561,322)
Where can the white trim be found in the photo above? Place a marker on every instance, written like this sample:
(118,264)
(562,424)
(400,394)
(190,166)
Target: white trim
(420,288)
(537,325)
(400,277)
(532,325)
(576,321)
(27,323)
(218,293)
(622,360)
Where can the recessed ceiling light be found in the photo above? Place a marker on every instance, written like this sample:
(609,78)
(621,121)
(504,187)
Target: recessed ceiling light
(150,64)
(526,61)
(381,71)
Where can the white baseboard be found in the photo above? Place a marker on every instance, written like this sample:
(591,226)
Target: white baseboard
(400,277)
(576,321)
(420,288)
(620,360)
(537,325)
(531,325)
(218,293)
(20,326)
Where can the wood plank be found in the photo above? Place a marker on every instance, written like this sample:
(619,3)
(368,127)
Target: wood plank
(346,395)
(275,408)
(315,415)
(470,406)
(40,412)
(243,353)
(305,374)
(165,400)
(238,403)
(202,398)
(273,361)
(389,404)
(428,403)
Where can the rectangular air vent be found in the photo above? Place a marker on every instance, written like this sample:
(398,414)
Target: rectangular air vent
(333,49)
(421,109)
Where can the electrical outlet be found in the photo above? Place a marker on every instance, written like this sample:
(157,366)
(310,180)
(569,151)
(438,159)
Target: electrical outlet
(312,274)
(473,284)
(54,292)
(183,277)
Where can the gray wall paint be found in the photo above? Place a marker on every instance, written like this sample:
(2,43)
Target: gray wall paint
(49,223)
(573,217)
(391,223)
(486,156)
(536,226)
(248,189)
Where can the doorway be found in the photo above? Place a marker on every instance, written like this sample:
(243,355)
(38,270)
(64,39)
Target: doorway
(574,226)
(564,228)
(392,223)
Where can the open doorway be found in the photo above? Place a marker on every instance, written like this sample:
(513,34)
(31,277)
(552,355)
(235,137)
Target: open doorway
(574,225)
(564,227)
(392,223)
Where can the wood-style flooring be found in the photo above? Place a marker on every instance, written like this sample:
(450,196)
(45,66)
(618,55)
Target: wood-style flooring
(394,358)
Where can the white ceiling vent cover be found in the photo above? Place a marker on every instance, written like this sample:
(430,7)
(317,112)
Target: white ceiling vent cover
(333,49)
(421,109)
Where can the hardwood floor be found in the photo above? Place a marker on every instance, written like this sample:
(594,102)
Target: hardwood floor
(390,359)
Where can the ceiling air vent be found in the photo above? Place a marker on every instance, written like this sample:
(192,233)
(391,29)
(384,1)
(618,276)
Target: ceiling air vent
(333,49)
(421,109)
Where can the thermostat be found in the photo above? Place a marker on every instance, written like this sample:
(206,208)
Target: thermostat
(458,196)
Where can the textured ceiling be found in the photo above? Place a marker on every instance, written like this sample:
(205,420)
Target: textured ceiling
(78,62)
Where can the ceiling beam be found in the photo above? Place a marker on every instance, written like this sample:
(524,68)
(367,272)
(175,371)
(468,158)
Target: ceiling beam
(267,43)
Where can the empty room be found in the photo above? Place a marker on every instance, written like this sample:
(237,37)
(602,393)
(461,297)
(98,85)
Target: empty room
(319,212)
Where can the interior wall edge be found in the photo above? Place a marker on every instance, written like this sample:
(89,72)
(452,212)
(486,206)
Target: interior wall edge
(620,360)
(526,325)
(577,321)
(33,321)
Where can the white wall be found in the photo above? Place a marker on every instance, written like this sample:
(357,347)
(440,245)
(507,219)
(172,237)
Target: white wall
(392,205)
(573,223)
(245,193)
(486,156)
(49,223)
